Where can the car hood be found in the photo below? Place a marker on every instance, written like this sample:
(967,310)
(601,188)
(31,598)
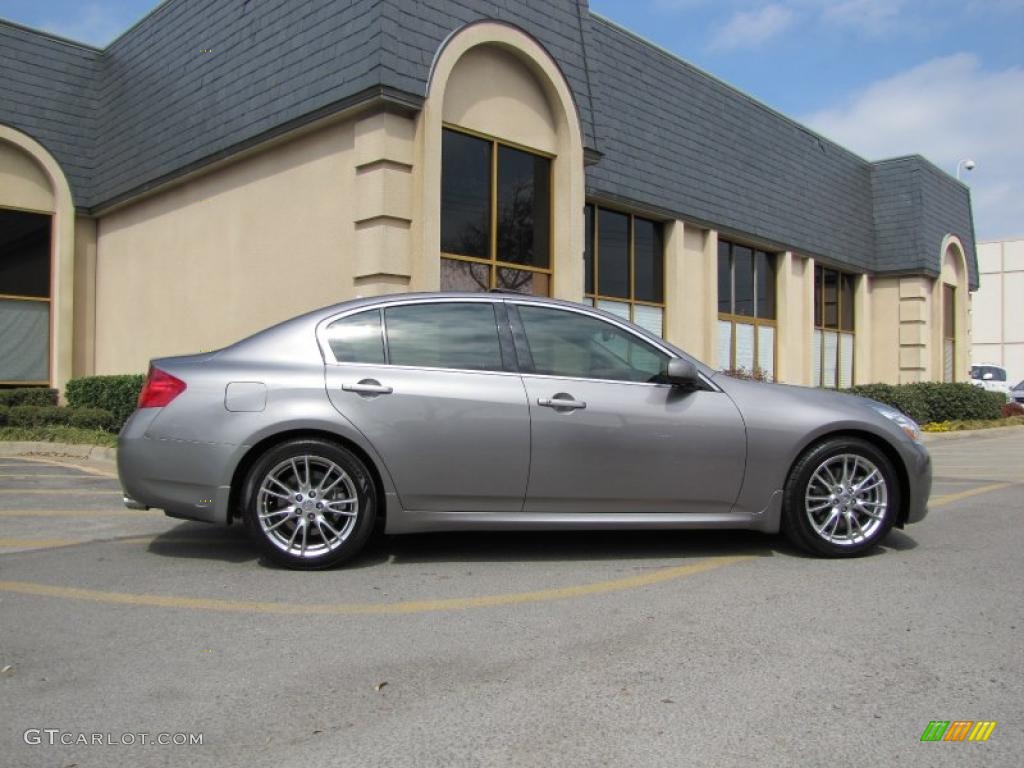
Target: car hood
(777,406)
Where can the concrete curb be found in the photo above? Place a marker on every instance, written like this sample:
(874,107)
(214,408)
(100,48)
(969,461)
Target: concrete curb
(61,450)
(938,437)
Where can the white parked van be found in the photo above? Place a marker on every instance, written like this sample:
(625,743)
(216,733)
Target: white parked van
(991,377)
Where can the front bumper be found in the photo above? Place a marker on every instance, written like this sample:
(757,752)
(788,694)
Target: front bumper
(187,480)
(919,481)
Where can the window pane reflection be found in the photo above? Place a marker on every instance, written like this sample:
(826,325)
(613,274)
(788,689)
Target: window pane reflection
(523,281)
(457,275)
(613,254)
(648,261)
(743,269)
(524,208)
(465,194)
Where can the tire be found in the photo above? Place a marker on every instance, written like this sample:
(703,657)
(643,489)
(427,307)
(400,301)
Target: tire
(309,518)
(841,498)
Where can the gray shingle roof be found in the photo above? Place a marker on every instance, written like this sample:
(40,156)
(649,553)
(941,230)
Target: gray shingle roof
(196,80)
(915,206)
(47,91)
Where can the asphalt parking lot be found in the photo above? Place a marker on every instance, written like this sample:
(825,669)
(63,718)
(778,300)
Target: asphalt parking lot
(604,649)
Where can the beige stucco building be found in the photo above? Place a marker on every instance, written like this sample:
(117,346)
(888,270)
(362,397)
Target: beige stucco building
(156,201)
(998,311)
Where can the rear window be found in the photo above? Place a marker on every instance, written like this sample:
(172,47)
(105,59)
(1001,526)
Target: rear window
(357,338)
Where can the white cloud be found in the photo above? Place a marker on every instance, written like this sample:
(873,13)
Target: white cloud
(677,5)
(946,109)
(874,16)
(750,28)
(93,23)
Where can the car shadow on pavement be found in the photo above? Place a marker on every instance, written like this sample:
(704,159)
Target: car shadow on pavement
(233,545)
(229,544)
(553,546)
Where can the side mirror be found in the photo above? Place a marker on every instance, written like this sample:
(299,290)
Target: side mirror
(683,373)
(987,376)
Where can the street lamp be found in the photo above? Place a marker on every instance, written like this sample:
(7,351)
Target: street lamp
(966,163)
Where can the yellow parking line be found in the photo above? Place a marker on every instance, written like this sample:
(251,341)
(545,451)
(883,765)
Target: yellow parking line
(407,607)
(58,463)
(75,491)
(73,512)
(949,498)
(38,543)
(34,475)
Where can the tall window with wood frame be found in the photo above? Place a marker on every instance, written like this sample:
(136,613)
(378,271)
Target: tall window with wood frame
(832,352)
(495,216)
(948,332)
(746,309)
(24,297)
(624,265)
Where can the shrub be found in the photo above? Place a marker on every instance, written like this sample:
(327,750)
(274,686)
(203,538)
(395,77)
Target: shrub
(37,416)
(900,397)
(4,415)
(28,396)
(754,374)
(951,402)
(927,402)
(91,418)
(1011,409)
(115,394)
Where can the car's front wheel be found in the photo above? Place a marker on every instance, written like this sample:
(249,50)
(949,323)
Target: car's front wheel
(841,498)
(309,504)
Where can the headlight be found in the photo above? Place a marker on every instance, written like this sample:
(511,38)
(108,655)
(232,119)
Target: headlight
(904,422)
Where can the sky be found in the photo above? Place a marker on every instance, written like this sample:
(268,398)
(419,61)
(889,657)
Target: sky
(941,78)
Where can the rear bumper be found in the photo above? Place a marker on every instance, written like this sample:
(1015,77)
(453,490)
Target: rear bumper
(187,480)
(919,482)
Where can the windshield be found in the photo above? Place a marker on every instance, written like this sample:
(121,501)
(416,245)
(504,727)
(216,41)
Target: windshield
(981,371)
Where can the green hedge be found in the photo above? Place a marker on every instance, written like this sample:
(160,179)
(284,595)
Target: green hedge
(28,396)
(928,402)
(36,415)
(93,418)
(30,416)
(115,394)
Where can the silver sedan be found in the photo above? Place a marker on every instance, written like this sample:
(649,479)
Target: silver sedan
(429,412)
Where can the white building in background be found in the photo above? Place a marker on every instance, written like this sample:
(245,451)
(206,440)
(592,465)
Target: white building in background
(998,307)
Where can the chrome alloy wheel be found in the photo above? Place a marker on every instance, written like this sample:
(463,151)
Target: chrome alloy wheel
(846,499)
(307,506)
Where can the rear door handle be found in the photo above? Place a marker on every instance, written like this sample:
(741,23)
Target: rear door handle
(368,387)
(559,403)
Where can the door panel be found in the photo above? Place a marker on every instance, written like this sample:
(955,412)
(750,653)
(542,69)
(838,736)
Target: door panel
(452,440)
(627,447)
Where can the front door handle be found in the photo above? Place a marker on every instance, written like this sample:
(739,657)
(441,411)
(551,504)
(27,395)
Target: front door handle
(560,402)
(368,387)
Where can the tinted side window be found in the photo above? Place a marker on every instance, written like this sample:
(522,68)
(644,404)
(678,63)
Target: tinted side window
(566,343)
(452,335)
(357,338)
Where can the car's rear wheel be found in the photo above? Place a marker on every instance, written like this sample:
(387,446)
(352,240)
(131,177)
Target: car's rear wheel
(309,504)
(841,498)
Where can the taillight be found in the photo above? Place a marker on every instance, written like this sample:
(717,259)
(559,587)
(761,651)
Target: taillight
(160,389)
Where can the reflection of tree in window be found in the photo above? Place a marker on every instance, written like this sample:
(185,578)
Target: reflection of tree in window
(495,214)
